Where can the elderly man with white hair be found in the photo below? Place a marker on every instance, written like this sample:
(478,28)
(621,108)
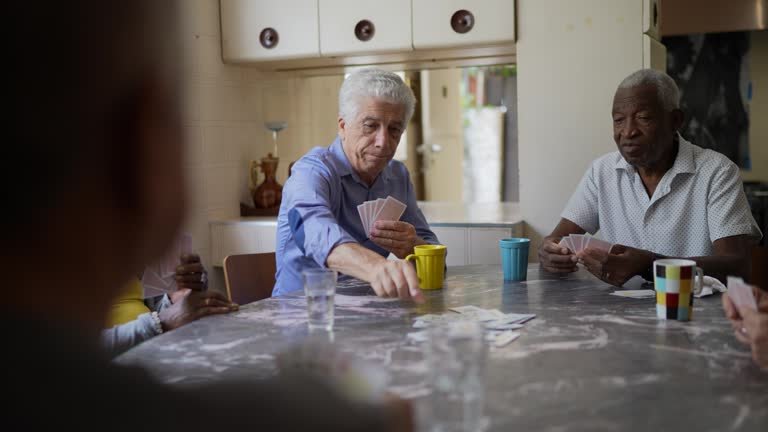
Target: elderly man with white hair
(658,195)
(319,225)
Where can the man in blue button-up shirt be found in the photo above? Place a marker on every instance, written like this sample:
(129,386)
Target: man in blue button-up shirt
(319,225)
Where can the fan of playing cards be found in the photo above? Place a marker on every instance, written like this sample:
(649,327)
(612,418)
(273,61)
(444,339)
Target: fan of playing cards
(578,242)
(388,209)
(160,278)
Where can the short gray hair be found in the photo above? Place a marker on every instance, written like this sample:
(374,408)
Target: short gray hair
(666,89)
(378,84)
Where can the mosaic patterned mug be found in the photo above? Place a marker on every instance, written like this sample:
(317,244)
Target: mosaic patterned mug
(676,281)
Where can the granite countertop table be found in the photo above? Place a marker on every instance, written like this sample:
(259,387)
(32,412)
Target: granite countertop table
(590,361)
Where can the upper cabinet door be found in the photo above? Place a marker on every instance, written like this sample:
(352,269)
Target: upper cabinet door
(652,18)
(364,26)
(255,30)
(448,23)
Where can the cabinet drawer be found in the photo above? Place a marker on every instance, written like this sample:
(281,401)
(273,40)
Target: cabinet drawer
(455,239)
(265,30)
(484,245)
(364,26)
(440,23)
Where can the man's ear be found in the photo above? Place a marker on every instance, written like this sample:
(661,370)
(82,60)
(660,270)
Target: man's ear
(342,128)
(678,117)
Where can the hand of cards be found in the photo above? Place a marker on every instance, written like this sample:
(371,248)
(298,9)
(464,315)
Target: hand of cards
(741,293)
(578,242)
(161,277)
(388,209)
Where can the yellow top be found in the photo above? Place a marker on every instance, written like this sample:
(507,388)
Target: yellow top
(128,306)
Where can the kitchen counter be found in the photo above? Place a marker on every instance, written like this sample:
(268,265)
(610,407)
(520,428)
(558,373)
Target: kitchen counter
(470,231)
(437,214)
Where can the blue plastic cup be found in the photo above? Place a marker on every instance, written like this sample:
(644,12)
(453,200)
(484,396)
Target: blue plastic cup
(514,258)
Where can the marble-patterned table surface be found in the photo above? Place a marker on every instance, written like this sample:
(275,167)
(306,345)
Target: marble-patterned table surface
(590,361)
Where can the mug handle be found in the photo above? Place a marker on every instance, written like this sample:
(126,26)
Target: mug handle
(414,258)
(699,275)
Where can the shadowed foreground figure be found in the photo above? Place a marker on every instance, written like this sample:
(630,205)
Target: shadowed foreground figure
(95,190)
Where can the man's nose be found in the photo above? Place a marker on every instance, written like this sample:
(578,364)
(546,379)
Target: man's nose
(630,130)
(381,137)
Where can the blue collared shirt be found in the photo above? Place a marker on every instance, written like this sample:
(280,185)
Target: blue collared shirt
(319,211)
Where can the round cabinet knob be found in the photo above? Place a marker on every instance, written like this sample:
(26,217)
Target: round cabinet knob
(269,38)
(462,21)
(364,30)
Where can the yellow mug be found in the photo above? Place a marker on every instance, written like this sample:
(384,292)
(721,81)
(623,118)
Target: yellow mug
(430,265)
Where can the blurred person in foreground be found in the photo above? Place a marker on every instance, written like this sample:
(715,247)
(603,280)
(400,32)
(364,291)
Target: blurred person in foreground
(96,190)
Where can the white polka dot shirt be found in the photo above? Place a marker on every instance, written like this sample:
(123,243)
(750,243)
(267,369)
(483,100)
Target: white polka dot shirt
(699,200)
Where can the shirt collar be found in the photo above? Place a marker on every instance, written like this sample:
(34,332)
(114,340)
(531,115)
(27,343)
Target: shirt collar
(684,162)
(344,167)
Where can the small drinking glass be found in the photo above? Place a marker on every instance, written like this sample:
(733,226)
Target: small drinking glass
(456,355)
(320,289)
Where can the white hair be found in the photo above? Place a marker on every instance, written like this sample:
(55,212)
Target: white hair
(666,89)
(378,84)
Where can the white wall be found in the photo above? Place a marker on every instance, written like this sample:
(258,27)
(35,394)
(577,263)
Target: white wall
(571,57)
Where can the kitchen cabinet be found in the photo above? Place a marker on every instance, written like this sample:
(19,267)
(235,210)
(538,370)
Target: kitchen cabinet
(364,26)
(455,239)
(470,231)
(256,30)
(466,244)
(450,23)
(473,244)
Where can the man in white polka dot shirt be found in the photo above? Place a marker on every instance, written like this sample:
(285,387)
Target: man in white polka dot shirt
(658,195)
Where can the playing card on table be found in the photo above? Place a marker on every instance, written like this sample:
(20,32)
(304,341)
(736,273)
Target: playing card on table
(637,294)
(741,293)
(478,313)
(501,325)
(513,318)
(419,336)
(500,339)
(429,319)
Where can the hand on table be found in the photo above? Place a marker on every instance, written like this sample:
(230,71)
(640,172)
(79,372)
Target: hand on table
(618,266)
(396,278)
(191,305)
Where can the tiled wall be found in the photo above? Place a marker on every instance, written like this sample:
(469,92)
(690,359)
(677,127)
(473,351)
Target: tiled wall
(225,108)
